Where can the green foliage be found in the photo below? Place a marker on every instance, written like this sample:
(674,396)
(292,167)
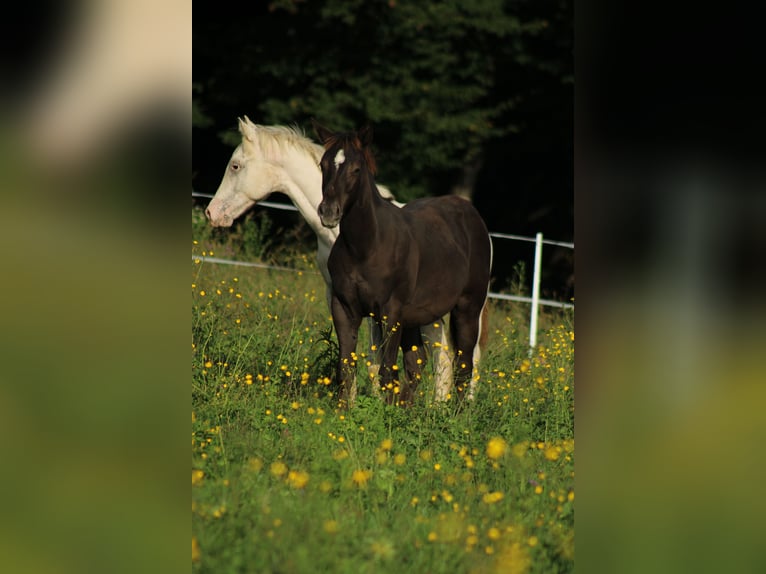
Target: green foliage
(283,481)
(438,80)
(251,237)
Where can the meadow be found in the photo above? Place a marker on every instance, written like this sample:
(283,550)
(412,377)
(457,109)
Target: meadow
(283,481)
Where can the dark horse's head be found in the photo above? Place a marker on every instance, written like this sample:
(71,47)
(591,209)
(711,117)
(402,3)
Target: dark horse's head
(345,163)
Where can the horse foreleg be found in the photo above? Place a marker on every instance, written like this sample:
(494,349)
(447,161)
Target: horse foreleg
(376,343)
(414,359)
(389,377)
(347,329)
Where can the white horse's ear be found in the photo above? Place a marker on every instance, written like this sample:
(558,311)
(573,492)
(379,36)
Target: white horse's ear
(246,129)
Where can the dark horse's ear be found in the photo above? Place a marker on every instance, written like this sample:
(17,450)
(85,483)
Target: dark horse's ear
(365,135)
(322,132)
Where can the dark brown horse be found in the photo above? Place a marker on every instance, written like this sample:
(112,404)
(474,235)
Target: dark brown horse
(404,267)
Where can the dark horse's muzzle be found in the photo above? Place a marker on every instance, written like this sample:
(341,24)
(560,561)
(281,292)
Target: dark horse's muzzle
(329,213)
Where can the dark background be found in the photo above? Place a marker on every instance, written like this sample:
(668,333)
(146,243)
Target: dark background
(448,87)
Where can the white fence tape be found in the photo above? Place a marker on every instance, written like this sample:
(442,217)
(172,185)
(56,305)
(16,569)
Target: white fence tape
(535,300)
(248,264)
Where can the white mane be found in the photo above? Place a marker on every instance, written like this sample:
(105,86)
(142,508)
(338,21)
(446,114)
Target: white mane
(285,136)
(269,136)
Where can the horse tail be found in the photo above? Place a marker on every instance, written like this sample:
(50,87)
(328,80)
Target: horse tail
(484,318)
(481,345)
(484,326)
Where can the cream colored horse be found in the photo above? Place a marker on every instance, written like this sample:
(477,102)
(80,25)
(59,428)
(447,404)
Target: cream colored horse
(280,159)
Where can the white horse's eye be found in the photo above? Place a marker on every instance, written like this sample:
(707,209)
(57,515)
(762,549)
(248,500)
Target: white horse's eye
(234,166)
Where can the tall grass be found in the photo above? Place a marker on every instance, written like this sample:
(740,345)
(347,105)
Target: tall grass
(283,481)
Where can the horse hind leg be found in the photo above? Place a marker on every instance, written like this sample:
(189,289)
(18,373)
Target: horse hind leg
(438,342)
(464,330)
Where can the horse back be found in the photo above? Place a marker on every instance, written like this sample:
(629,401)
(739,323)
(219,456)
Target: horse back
(429,254)
(453,222)
(451,235)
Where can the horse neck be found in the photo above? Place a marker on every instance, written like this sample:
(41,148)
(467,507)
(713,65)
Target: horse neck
(360,227)
(303,186)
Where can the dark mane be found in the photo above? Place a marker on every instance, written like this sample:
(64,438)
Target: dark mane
(351,139)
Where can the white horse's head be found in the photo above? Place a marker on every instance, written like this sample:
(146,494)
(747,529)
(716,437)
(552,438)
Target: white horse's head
(252,174)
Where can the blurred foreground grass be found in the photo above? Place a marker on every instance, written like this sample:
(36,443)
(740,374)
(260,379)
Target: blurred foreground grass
(93,388)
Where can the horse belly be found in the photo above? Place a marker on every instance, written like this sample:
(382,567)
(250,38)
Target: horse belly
(419,316)
(424,310)
(435,289)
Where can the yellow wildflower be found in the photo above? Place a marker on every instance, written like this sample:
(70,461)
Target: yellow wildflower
(297,479)
(519,449)
(552,452)
(361,477)
(278,468)
(513,559)
(496,448)
(382,549)
(195,550)
(492,497)
(340,454)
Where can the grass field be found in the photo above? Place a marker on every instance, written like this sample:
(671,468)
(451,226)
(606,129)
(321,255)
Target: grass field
(285,482)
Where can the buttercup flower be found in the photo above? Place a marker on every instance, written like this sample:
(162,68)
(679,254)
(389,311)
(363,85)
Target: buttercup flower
(361,477)
(496,448)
